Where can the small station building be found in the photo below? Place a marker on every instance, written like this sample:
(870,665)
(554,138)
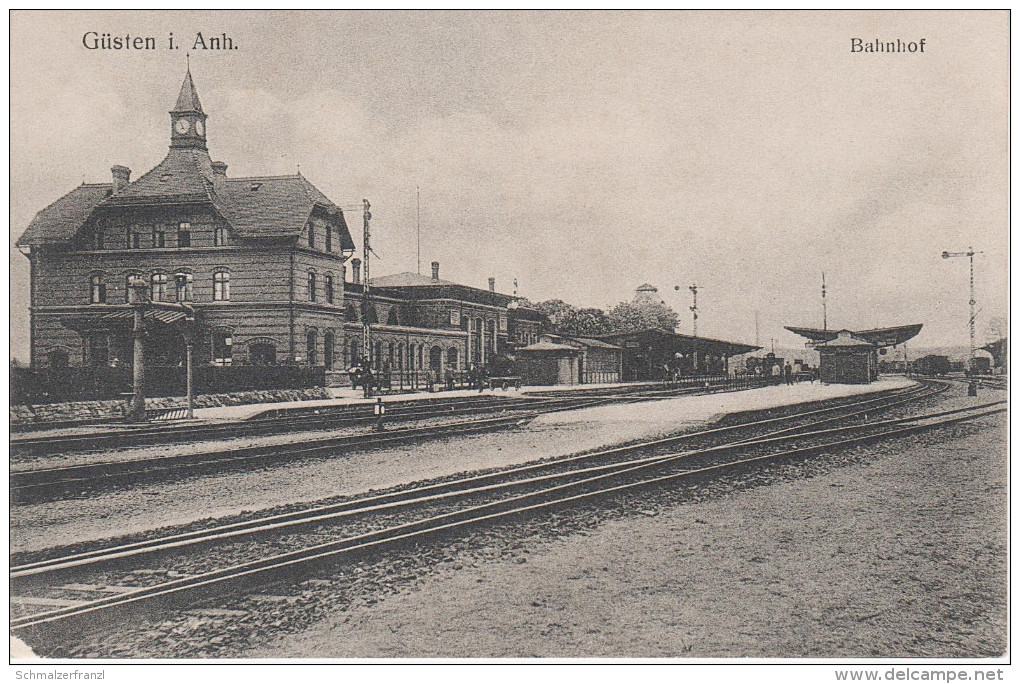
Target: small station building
(848,357)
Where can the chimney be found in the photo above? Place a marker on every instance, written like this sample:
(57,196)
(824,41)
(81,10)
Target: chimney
(356,269)
(219,168)
(121,177)
(492,284)
(435,271)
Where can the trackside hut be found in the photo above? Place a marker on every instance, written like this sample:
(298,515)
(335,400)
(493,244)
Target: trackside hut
(599,361)
(549,363)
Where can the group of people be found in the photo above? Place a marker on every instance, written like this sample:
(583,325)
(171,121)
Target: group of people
(362,375)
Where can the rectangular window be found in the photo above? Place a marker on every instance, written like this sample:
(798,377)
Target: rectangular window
(311,287)
(159,287)
(329,289)
(329,238)
(311,233)
(221,286)
(223,348)
(158,236)
(98,290)
(99,239)
(220,236)
(184,235)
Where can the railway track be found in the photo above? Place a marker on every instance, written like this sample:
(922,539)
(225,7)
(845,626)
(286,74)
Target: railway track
(41,484)
(281,421)
(284,546)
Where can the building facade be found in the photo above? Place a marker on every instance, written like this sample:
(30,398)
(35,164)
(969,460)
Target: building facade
(262,262)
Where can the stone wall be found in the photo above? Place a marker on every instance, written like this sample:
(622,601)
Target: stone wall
(114,409)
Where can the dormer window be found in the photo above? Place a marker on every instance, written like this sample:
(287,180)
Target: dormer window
(329,238)
(311,234)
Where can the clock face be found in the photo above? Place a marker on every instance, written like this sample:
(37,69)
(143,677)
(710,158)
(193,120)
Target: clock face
(182,126)
(200,127)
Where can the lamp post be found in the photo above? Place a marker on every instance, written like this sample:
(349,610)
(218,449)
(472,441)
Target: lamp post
(970,255)
(136,297)
(181,280)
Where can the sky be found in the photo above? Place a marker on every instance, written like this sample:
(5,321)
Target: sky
(581,153)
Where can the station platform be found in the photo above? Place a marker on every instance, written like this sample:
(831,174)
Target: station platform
(345,396)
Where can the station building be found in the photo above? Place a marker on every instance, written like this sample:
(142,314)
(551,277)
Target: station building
(264,263)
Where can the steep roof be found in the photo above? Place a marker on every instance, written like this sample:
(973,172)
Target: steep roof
(270,206)
(61,220)
(187,101)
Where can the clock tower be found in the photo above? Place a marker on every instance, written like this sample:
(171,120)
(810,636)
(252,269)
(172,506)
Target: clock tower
(187,120)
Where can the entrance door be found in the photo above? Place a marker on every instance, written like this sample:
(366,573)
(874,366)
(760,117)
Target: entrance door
(436,359)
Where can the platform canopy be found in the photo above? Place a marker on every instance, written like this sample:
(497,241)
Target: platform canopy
(880,337)
(677,342)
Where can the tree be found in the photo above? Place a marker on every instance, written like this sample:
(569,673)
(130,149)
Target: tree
(585,322)
(557,310)
(630,316)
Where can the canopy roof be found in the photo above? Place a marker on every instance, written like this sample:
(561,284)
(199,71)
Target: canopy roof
(705,345)
(880,337)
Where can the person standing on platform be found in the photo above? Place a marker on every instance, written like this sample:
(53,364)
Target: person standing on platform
(788,374)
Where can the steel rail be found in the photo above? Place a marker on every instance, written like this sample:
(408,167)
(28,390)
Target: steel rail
(299,517)
(479,513)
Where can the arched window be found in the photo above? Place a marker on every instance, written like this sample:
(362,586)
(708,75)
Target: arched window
(311,234)
(421,356)
(490,336)
(311,286)
(329,237)
(351,313)
(392,318)
(410,357)
(328,343)
(371,316)
(158,289)
(377,356)
(329,289)
(183,286)
(97,286)
(312,346)
(221,286)
(436,359)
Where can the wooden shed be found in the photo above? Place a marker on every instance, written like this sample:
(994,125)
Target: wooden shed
(847,360)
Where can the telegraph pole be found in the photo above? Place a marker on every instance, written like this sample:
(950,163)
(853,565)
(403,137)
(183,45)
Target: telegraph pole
(366,326)
(825,310)
(417,192)
(970,255)
(694,310)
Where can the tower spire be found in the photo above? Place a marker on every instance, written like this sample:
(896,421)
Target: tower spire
(187,120)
